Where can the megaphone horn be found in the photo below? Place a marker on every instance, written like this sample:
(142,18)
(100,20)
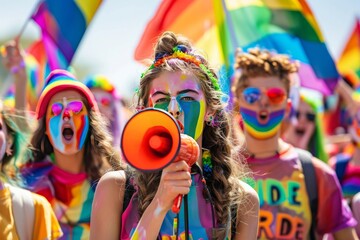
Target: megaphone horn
(150,140)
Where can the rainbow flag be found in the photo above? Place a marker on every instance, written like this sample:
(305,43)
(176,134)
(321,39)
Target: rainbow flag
(63,24)
(219,27)
(349,61)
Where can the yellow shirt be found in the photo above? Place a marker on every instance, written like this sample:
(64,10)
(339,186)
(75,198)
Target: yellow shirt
(7,223)
(45,224)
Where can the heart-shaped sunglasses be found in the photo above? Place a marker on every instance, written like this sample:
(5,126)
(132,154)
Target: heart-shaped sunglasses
(74,106)
(275,95)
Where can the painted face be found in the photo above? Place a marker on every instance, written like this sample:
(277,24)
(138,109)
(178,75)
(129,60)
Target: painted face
(105,102)
(263,105)
(299,132)
(67,122)
(181,95)
(3,133)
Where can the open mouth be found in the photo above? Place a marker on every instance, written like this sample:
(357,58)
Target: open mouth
(263,116)
(68,134)
(300,131)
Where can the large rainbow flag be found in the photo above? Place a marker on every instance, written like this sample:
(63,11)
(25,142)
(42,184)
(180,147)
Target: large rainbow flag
(349,61)
(219,27)
(64,23)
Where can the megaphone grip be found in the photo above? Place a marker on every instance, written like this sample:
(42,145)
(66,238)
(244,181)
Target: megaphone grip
(177,203)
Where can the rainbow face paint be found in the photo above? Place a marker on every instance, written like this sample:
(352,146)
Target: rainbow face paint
(67,125)
(259,130)
(193,113)
(181,95)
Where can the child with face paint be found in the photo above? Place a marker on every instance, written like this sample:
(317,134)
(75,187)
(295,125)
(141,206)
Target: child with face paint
(71,150)
(181,83)
(110,105)
(306,131)
(261,92)
(23,214)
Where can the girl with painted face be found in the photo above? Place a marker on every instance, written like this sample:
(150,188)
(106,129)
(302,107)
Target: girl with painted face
(306,131)
(23,214)
(71,150)
(261,90)
(181,83)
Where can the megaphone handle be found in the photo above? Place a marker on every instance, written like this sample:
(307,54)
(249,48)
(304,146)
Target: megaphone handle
(177,203)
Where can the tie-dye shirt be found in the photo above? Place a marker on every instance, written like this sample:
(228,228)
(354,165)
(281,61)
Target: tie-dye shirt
(284,204)
(348,174)
(200,217)
(70,196)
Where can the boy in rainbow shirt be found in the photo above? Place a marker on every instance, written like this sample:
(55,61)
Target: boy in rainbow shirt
(261,95)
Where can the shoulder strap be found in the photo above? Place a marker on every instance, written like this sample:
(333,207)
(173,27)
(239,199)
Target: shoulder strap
(23,210)
(340,165)
(311,186)
(129,190)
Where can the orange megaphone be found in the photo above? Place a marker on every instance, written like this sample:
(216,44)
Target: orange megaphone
(152,139)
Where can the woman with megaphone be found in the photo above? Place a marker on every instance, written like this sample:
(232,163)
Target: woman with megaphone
(216,204)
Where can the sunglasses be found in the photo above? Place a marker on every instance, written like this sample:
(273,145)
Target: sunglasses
(74,106)
(309,116)
(275,95)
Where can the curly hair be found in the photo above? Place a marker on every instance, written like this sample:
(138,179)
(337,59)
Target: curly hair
(224,185)
(262,63)
(99,155)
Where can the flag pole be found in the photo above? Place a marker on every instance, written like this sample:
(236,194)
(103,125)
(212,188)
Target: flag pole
(17,38)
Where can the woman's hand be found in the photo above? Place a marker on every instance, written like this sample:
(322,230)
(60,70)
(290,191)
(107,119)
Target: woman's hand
(175,180)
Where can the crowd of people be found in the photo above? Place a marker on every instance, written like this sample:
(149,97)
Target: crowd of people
(263,168)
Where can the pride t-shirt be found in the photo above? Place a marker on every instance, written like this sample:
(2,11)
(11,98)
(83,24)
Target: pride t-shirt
(284,203)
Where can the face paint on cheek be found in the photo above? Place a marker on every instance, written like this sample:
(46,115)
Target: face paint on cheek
(193,117)
(54,129)
(259,130)
(163,106)
(81,123)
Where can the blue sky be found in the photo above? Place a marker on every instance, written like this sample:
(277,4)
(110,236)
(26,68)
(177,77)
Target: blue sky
(110,41)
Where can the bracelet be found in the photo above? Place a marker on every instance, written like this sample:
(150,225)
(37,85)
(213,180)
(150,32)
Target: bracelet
(15,69)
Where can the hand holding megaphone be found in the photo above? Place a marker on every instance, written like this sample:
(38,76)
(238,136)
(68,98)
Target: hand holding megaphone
(152,140)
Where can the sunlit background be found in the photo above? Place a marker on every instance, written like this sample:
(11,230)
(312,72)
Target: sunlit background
(109,43)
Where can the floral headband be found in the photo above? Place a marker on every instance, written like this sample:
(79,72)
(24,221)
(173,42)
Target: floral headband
(181,52)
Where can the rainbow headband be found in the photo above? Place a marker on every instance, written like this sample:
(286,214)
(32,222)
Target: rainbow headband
(180,52)
(61,80)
